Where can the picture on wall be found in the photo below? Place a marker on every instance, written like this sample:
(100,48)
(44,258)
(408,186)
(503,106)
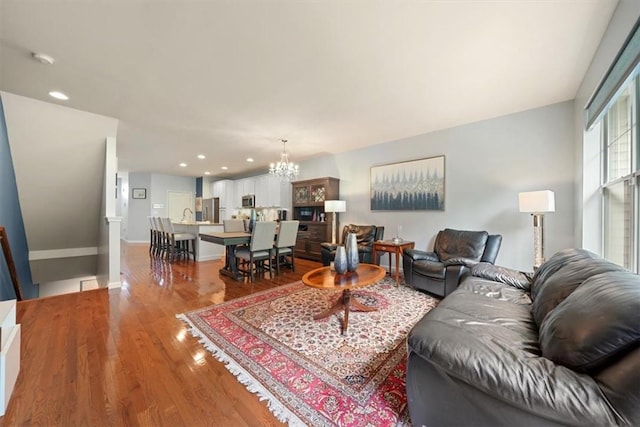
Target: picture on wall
(405,186)
(138,193)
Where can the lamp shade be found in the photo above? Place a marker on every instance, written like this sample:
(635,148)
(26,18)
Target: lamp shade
(335,206)
(537,201)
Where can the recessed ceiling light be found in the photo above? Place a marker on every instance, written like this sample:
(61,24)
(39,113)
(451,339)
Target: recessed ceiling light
(58,95)
(224,168)
(202,156)
(207,173)
(183,165)
(249,159)
(43,58)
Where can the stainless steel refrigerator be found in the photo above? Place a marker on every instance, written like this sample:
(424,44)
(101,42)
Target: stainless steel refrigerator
(211,210)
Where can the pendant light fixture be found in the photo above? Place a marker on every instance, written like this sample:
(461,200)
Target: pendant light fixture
(285,169)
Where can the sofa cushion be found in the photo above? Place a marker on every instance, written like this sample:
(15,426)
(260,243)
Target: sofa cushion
(557,278)
(495,290)
(460,244)
(595,324)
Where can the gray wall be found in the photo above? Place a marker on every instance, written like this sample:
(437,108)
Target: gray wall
(486,165)
(587,153)
(59,160)
(158,186)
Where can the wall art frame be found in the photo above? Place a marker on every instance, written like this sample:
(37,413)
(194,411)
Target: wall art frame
(138,193)
(408,186)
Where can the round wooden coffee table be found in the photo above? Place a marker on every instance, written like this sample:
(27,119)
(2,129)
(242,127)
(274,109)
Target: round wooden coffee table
(326,278)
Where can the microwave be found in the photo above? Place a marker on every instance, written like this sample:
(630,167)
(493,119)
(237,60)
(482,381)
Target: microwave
(249,201)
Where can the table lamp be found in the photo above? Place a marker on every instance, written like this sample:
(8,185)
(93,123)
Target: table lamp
(536,203)
(334,206)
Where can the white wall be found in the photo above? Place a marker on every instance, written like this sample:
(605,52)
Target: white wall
(587,153)
(486,165)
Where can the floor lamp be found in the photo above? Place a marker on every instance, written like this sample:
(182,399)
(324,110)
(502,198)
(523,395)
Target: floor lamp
(537,203)
(334,206)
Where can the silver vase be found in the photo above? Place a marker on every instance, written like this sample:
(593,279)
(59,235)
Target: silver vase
(351,246)
(340,261)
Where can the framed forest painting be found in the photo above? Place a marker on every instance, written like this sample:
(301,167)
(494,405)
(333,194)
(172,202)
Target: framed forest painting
(406,186)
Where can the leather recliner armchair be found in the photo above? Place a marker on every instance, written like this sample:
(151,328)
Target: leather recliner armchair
(365,234)
(454,253)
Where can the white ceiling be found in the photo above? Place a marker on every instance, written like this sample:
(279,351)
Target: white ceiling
(229,79)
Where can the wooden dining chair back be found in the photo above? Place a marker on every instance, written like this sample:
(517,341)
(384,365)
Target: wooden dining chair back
(285,244)
(260,250)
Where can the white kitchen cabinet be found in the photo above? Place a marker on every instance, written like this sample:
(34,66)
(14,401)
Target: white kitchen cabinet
(261,185)
(223,189)
(243,187)
(274,190)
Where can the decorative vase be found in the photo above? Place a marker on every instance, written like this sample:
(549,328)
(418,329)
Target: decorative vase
(340,261)
(351,247)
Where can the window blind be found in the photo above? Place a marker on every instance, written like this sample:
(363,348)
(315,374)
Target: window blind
(623,66)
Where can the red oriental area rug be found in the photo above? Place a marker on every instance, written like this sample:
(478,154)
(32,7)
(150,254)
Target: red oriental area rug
(308,372)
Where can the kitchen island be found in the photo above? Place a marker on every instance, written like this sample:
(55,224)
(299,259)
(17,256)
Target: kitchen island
(204,251)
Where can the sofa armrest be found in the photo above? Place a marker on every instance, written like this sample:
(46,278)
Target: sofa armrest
(508,276)
(329,246)
(466,262)
(417,254)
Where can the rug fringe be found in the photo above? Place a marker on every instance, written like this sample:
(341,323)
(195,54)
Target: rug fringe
(273,404)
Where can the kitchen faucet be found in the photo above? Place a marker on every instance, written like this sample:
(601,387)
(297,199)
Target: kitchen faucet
(184,214)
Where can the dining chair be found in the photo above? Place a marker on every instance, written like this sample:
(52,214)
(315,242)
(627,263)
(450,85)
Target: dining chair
(233,225)
(178,243)
(285,243)
(260,249)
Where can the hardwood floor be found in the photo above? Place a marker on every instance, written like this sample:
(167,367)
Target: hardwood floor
(120,357)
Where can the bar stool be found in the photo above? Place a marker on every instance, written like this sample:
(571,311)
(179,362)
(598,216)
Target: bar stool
(178,243)
(152,236)
(162,242)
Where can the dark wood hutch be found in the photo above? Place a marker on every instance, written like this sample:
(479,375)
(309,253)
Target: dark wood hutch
(308,207)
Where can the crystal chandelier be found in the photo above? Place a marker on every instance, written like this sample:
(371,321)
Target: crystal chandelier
(284,168)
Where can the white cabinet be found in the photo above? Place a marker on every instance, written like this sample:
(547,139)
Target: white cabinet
(220,188)
(244,187)
(271,191)
(274,190)
(226,192)
(261,185)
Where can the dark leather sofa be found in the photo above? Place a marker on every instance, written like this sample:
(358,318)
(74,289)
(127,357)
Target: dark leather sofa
(507,349)
(454,252)
(365,235)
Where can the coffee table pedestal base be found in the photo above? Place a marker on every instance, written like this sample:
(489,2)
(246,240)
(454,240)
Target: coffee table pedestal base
(347,303)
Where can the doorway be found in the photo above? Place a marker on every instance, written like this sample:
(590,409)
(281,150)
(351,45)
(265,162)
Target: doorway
(177,204)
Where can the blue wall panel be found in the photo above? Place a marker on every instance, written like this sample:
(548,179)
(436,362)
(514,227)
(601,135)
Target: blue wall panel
(11,219)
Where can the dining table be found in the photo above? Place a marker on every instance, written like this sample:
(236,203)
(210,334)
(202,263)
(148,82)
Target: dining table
(229,240)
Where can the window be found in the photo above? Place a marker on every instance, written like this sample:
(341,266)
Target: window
(621,177)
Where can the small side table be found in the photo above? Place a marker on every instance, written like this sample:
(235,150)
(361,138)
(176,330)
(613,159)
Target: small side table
(391,248)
